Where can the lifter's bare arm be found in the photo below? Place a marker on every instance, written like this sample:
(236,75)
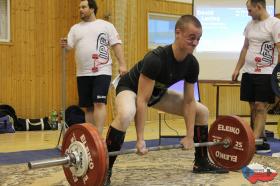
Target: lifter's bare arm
(189,112)
(145,89)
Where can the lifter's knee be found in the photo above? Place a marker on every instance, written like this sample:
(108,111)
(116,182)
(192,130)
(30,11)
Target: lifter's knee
(122,120)
(202,114)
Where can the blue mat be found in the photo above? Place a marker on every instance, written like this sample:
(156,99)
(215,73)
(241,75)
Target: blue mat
(274,146)
(26,156)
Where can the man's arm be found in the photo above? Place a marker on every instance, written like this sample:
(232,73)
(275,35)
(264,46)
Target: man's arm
(278,48)
(145,89)
(189,109)
(120,57)
(241,60)
(68,42)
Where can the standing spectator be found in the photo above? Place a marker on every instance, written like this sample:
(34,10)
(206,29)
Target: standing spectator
(258,57)
(92,38)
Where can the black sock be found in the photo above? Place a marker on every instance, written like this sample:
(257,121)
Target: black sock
(251,122)
(200,136)
(114,141)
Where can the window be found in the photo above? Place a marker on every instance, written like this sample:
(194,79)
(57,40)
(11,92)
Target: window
(4,20)
(161,29)
(223,24)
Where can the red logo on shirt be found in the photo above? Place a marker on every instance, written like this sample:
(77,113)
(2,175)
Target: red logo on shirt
(95,56)
(258,59)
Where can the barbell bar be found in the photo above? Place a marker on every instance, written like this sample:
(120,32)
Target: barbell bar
(69,159)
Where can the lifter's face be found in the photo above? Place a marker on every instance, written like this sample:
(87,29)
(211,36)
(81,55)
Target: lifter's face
(188,37)
(85,11)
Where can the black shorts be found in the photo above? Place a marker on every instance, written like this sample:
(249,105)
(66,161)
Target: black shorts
(256,87)
(155,98)
(123,88)
(93,89)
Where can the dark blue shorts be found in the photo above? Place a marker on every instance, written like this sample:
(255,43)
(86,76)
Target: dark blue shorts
(93,89)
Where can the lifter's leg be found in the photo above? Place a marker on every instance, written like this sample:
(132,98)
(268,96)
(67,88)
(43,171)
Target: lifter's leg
(173,103)
(99,116)
(125,105)
(202,164)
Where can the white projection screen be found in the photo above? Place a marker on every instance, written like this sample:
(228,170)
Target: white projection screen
(223,23)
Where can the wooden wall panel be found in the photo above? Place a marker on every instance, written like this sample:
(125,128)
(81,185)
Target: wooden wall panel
(31,63)
(208,96)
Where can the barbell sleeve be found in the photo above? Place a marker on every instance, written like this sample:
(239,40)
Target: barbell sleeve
(65,160)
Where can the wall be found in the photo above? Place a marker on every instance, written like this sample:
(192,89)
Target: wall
(31,64)
(277,7)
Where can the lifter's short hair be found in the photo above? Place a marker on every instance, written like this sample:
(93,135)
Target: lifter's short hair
(184,19)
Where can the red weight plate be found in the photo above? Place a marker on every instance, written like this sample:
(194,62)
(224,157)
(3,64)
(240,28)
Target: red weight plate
(97,154)
(242,147)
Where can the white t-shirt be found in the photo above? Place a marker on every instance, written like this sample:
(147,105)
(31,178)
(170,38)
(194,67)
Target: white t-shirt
(93,38)
(262,54)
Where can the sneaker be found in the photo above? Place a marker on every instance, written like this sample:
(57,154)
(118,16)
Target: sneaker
(206,166)
(108,178)
(264,148)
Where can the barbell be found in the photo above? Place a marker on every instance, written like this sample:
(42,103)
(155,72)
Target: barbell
(85,158)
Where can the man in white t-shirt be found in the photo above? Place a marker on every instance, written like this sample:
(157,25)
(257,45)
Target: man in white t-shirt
(258,57)
(92,38)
